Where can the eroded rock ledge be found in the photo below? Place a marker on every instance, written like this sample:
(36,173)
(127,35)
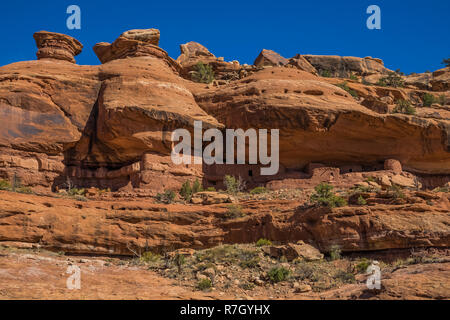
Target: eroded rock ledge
(57,46)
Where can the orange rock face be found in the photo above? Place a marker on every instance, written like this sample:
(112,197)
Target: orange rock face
(57,46)
(112,227)
(99,125)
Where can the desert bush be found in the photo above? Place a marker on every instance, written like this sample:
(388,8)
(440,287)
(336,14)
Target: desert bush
(278,274)
(345,277)
(5,185)
(344,86)
(405,107)
(211,189)
(16,186)
(428,99)
(226,254)
(233,185)
(179,260)
(149,257)
(186,191)
(361,201)
(249,263)
(396,192)
(393,79)
(203,73)
(325,73)
(234,211)
(441,189)
(204,284)
(324,196)
(335,252)
(362,265)
(196,187)
(441,99)
(258,190)
(76,192)
(263,242)
(167,197)
(353,77)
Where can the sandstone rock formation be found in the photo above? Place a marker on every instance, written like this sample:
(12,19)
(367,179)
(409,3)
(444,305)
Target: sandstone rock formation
(134,43)
(343,67)
(109,126)
(58,46)
(270,58)
(301,63)
(112,227)
(192,53)
(322,123)
(441,80)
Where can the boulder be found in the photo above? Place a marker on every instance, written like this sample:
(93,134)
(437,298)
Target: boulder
(294,251)
(441,80)
(52,45)
(385,181)
(403,181)
(344,67)
(270,58)
(134,43)
(393,165)
(299,62)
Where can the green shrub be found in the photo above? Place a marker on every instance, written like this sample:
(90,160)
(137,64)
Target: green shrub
(396,192)
(204,284)
(149,257)
(233,185)
(250,263)
(441,189)
(179,261)
(428,100)
(76,192)
(278,274)
(361,201)
(335,252)
(441,99)
(325,73)
(344,86)
(203,73)
(197,187)
(405,107)
(211,189)
(345,277)
(5,185)
(353,77)
(362,266)
(186,191)
(263,242)
(392,80)
(167,197)
(324,196)
(258,190)
(15,187)
(234,211)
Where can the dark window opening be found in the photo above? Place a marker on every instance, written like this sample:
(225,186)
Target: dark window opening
(250,173)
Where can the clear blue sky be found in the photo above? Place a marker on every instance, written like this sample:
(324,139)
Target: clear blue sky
(415,35)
